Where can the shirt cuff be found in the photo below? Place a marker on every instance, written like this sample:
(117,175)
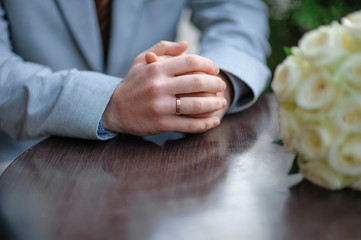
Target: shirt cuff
(104,134)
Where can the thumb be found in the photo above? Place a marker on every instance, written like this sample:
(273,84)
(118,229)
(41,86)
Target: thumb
(151,57)
(169,48)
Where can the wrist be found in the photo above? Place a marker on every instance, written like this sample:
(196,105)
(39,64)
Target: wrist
(108,116)
(104,134)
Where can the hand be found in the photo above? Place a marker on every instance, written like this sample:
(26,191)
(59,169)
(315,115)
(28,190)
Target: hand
(144,103)
(163,49)
(151,57)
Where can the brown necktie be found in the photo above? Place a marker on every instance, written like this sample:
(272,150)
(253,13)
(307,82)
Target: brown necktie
(104,12)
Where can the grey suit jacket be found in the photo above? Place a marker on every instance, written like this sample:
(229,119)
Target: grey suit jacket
(52,77)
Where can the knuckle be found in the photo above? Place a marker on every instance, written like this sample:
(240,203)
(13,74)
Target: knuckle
(155,108)
(193,127)
(207,125)
(155,88)
(162,44)
(197,106)
(191,60)
(198,82)
(153,69)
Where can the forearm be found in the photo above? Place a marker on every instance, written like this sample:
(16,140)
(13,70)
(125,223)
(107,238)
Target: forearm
(35,101)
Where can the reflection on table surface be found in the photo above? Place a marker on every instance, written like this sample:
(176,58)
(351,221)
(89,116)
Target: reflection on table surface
(228,183)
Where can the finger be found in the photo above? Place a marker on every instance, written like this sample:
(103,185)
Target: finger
(151,57)
(201,115)
(185,64)
(162,57)
(169,48)
(199,105)
(196,83)
(190,125)
(197,94)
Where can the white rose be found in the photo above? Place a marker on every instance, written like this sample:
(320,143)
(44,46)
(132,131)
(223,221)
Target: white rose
(315,141)
(321,174)
(347,114)
(323,45)
(316,92)
(289,127)
(352,22)
(285,80)
(350,71)
(345,155)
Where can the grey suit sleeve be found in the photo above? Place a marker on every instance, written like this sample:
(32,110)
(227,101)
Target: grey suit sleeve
(36,101)
(234,36)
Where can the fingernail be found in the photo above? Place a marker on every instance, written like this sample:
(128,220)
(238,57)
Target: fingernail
(216,122)
(224,103)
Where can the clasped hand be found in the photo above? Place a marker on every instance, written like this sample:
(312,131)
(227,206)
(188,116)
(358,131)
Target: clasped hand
(145,102)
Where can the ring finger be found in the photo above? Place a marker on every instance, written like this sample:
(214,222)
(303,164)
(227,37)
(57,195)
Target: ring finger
(198,105)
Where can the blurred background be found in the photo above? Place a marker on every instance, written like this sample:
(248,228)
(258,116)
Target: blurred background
(289,20)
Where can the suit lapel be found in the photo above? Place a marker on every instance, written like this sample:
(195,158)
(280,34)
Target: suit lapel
(80,17)
(125,17)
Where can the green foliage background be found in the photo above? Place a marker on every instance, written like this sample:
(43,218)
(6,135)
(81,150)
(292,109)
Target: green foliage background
(290,19)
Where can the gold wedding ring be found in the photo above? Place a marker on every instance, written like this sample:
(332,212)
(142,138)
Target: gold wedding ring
(177,105)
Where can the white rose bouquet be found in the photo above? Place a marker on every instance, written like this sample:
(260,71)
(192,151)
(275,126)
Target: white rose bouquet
(319,90)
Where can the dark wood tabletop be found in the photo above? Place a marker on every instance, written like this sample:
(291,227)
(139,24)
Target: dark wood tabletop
(228,183)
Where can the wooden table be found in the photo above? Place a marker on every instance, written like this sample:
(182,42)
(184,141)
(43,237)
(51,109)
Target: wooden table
(228,183)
